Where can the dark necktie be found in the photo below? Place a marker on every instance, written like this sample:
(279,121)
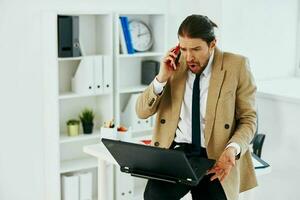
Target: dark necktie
(196,131)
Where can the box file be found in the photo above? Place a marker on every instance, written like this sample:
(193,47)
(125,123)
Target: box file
(94,75)
(85,186)
(70,187)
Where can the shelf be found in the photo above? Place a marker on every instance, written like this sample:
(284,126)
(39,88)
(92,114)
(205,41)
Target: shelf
(131,89)
(71,95)
(70,58)
(141,54)
(78,58)
(77,164)
(81,137)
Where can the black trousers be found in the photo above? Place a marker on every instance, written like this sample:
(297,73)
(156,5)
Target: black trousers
(205,190)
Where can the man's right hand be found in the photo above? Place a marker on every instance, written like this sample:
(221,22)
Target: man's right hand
(167,66)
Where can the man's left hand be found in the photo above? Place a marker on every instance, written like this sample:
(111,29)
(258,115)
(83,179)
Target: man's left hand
(224,165)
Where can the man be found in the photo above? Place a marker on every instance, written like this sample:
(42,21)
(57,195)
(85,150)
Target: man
(205,105)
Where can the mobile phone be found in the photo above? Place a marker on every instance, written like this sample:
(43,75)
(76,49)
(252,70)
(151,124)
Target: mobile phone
(178,53)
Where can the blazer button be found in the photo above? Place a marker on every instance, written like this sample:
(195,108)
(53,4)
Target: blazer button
(162,121)
(156,144)
(226,126)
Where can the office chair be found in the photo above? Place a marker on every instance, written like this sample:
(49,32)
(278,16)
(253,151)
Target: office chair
(258,141)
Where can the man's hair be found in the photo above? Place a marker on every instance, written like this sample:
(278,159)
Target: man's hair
(197,26)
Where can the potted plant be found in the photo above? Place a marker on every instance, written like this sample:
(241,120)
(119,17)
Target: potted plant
(73,127)
(86,118)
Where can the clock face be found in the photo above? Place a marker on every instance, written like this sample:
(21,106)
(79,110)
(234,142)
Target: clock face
(140,35)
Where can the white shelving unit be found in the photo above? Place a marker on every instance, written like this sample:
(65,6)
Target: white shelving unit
(128,84)
(98,35)
(64,153)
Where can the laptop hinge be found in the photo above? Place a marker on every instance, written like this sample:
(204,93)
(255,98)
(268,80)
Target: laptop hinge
(125,169)
(151,177)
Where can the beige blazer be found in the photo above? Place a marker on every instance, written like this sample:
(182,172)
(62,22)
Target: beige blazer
(230,114)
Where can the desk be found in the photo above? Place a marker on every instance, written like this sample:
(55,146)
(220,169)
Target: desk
(104,157)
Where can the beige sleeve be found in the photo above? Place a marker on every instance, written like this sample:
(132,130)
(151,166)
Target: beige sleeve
(245,108)
(147,103)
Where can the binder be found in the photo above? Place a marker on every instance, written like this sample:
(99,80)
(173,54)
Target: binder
(70,187)
(83,80)
(123,47)
(94,75)
(108,74)
(68,36)
(75,37)
(98,74)
(85,185)
(124,22)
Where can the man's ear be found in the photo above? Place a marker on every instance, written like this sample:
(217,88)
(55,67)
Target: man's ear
(212,44)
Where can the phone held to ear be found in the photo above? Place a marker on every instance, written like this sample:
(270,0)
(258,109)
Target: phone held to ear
(177,52)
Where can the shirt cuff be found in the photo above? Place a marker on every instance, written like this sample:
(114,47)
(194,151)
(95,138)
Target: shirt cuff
(236,146)
(158,86)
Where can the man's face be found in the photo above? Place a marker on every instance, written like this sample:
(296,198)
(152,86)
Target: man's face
(196,52)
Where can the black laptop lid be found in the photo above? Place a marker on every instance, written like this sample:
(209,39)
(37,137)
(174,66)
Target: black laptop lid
(152,161)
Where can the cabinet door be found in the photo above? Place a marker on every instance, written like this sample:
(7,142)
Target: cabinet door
(124,186)
(108,74)
(98,74)
(82,82)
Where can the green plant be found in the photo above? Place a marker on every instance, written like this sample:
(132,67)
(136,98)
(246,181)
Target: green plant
(73,122)
(87,116)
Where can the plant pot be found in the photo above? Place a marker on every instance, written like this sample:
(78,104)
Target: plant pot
(87,128)
(73,130)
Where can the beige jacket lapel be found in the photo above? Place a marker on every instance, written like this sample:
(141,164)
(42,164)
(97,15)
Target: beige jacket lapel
(215,84)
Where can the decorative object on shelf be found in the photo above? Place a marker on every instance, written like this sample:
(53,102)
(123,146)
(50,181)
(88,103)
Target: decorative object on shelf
(73,127)
(150,68)
(86,118)
(109,124)
(116,133)
(141,35)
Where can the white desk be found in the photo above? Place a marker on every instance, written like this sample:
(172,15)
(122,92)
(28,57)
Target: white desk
(104,157)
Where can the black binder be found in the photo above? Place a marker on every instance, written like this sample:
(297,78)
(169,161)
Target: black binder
(157,163)
(68,36)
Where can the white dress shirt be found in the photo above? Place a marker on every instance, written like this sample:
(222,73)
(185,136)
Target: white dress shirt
(184,128)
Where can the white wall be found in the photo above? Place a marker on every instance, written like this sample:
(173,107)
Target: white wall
(264,31)
(21,76)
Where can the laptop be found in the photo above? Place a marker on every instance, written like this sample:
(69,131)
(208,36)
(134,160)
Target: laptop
(156,163)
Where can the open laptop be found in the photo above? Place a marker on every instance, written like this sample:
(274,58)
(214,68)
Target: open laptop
(157,163)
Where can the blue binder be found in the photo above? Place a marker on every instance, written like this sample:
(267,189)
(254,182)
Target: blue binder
(126,32)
